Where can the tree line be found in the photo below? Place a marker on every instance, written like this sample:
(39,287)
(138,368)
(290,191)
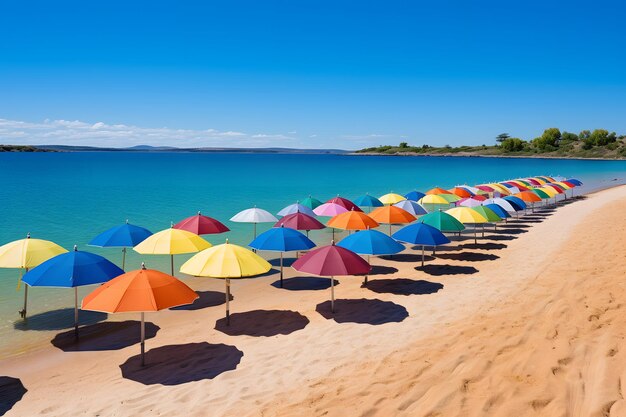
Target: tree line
(552,138)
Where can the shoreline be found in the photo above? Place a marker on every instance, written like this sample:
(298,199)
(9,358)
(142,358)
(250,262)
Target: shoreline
(466,155)
(323,352)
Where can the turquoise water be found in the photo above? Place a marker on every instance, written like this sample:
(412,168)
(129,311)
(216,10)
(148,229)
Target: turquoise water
(71,197)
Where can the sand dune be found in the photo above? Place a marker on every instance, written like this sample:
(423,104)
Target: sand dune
(528,322)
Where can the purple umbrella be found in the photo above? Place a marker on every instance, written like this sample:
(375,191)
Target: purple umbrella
(329,209)
(330,261)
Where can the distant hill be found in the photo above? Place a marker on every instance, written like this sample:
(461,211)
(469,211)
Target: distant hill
(148,148)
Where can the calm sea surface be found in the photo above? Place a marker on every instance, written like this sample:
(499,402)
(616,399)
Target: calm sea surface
(71,197)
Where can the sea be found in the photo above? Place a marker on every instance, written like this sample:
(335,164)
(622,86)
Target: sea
(70,197)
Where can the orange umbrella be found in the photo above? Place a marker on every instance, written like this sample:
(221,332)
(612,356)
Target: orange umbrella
(392,215)
(353,220)
(528,197)
(139,291)
(461,192)
(438,190)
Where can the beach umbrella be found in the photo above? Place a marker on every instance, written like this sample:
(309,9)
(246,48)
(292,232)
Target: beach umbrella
(368,201)
(296,208)
(330,209)
(281,239)
(469,202)
(139,291)
(450,198)
(490,215)
(533,181)
(226,261)
(300,221)
(421,234)
(391,198)
(512,188)
(467,215)
(25,254)
(432,202)
(171,242)
(392,215)
(201,225)
(371,243)
(254,215)
(443,222)
(311,202)
(412,207)
(331,261)
(574,181)
(414,195)
(437,191)
(499,210)
(469,188)
(345,203)
(123,236)
(461,192)
(72,270)
(486,188)
(517,203)
(542,194)
(352,220)
(528,197)
(501,202)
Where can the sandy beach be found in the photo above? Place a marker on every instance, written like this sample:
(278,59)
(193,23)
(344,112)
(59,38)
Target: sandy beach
(528,322)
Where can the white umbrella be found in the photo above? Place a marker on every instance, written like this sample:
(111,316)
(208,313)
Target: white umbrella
(500,202)
(471,189)
(254,215)
(297,208)
(412,207)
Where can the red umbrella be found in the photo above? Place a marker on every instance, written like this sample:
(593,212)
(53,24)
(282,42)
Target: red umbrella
(330,261)
(344,202)
(201,225)
(300,221)
(479,197)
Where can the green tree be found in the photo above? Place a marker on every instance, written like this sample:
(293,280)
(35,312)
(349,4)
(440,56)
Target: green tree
(602,137)
(404,145)
(502,137)
(569,137)
(584,134)
(513,145)
(549,140)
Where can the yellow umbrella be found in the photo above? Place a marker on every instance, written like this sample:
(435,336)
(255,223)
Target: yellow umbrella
(26,254)
(467,215)
(172,242)
(226,261)
(391,198)
(433,199)
(503,190)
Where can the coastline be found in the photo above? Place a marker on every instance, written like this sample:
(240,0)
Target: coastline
(315,369)
(468,155)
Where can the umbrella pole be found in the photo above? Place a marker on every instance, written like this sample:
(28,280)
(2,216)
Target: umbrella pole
(143,339)
(172,263)
(76,312)
(281,270)
(365,280)
(475,238)
(332,294)
(227,301)
(389,229)
(422,255)
(483,230)
(123,258)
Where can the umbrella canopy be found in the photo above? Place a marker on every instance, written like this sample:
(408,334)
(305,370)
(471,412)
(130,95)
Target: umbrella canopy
(311,202)
(332,261)
(575,181)
(517,203)
(414,195)
(461,192)
(501,202)
(391,198)
(548,190)
(226,261)
(528,197)
(533,181)
(296,208)
(72,269)
(330,209)
(540,193)
(392,215)
(122,236)
(467,215)
(345,203)
(253,215)
(434,199)
(487,213)
(139,291)
(471,189)
(300,221)
(555,187)
(501,212)
(25,254)
(486,188)
(352,220)
(412,207)
(368,201)
(371,242)
(421,234)
(437,191)
(469,202)
(201,225)
(450,198)
(443,222)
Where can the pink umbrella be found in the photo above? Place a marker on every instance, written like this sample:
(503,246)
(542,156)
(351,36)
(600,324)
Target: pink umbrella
(344,202)
(329,209)
(300,221)
(201,225)
(469,202)
(330,261)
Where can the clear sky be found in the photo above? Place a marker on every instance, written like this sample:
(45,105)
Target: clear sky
(312,74)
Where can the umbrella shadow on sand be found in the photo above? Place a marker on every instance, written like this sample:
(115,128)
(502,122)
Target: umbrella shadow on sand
(468,256)
(403,286)
(484,246)
(286,262)
(442,270)
(180,364)
(205,299)
(262,323)
(382,270)
(58,320)
(363,311)
(407,257)
(11,392)
(304,283)
(110,335)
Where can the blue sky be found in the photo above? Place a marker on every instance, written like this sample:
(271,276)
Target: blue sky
(308,74)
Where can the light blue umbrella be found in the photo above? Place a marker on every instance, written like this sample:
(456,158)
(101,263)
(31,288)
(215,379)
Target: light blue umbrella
(281,239)
(421,234)
(412,207)
(370,242)
(72,270)
(297,208)
(368,201)
(124,236)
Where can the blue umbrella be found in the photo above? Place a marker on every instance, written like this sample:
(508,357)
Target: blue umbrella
(576,182)
(368,201)
(281,239)
(414,195)
(412,207)
(421,234)
(72,270)
(124,236)
(517,203)
(370,242)
(498,210)
(296,208)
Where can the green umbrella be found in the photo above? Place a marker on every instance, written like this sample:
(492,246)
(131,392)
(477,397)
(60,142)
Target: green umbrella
(450,198)
(489,214)
(311,202)
(442,221)
(540,193)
